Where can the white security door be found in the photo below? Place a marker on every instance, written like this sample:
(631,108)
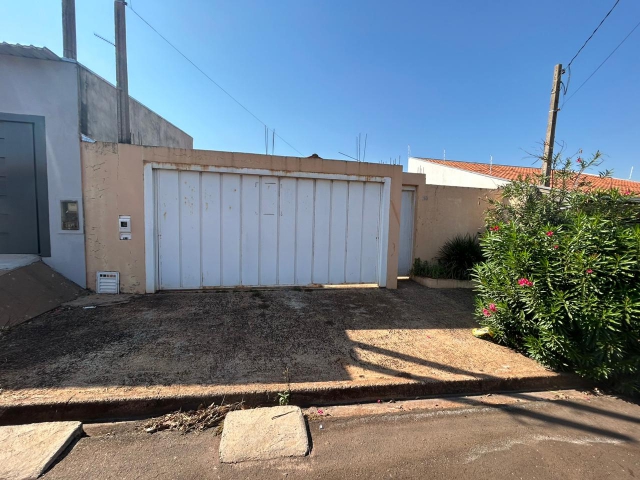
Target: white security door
(228,229)
(405,257)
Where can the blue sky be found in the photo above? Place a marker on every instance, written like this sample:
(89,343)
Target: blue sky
(470,77)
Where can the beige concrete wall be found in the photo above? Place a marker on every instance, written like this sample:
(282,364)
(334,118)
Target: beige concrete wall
(443,212)
(113,185)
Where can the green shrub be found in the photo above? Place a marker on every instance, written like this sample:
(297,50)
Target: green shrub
(454,261)
(458,255)
(422,268)
(561,280)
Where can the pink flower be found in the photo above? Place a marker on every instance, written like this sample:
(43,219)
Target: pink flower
(492,307)
(628,192)
(379,401)
(555,247)
(579,160)
(524,282)
(320,412)
(486,312)
(549,233)
(589,271)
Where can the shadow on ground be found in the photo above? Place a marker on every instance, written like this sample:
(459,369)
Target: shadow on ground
(249,337)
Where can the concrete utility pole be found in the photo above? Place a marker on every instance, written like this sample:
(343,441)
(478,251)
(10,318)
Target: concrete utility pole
(69,47)
(551,125)
(122,77)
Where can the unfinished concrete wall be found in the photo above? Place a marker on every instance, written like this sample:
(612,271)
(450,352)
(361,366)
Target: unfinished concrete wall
(443,212)
(113,185)
(98,116)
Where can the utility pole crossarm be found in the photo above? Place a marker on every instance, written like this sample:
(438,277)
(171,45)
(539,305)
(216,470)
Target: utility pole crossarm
(547,158)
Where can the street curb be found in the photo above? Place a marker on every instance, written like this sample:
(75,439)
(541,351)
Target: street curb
(305,396)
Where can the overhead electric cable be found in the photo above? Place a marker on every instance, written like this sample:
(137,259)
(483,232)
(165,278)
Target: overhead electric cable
(603,62)
(209,78)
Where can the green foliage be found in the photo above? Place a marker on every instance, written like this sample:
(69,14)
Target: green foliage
(561,280)
(454,261)
(422,268)
(284,398)
(458,255)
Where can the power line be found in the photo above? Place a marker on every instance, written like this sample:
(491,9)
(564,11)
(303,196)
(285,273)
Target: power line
(209,78)
(603,62)
(594,32)
(566,87)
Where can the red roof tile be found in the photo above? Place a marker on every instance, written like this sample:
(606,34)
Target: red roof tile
(507,172)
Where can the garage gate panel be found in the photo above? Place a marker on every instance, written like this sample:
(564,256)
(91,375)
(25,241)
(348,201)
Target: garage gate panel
(228,229)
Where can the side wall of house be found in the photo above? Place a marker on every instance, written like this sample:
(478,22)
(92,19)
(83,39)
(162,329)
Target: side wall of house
(98,116)
(444,175)
(49,88)
(443,212)
(113,185)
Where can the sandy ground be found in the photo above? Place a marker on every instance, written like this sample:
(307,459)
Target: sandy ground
(573,436)
(187,342)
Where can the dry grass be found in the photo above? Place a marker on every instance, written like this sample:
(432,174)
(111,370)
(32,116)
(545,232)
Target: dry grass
(194,420)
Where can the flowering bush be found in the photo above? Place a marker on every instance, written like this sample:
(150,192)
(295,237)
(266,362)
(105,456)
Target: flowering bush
(561,280)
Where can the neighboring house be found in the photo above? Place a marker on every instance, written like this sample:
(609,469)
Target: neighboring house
(46,104)
(484,175)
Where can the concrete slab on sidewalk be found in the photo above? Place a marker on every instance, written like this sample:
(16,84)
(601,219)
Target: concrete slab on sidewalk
(26,451)
(264,434)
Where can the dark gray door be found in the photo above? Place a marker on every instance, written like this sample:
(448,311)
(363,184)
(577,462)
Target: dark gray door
(18,205)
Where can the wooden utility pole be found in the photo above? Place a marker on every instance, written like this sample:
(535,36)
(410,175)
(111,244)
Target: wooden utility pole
(69,48)
(547,159)
(122,77)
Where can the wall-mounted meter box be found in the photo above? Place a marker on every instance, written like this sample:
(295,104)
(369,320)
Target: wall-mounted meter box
(124,227)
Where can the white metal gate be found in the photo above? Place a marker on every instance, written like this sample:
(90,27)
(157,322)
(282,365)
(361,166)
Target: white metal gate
(229,229)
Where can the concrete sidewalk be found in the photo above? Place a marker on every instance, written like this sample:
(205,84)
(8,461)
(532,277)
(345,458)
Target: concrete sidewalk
(176,350)
(574,436)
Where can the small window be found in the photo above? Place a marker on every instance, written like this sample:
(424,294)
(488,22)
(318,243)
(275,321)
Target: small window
(70,217)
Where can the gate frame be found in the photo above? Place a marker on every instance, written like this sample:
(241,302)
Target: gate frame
(150,230)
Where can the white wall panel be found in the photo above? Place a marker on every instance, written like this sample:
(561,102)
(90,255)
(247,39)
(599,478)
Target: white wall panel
(168,225)
(190,230)
(230,238)
(268,231)
(211,195)
(250,221)
(338,227)
(370,232)
(287,235)
(322,220)
(354,232)
(304,231)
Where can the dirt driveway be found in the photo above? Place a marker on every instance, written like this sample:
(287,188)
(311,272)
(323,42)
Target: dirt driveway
(351,336)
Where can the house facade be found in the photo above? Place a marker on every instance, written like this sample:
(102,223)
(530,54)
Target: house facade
(46,104)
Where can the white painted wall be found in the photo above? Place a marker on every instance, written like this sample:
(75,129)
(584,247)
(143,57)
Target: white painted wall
(50,89)
(449,176)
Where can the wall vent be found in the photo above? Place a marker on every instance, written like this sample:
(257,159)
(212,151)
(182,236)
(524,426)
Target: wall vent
(108,282)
